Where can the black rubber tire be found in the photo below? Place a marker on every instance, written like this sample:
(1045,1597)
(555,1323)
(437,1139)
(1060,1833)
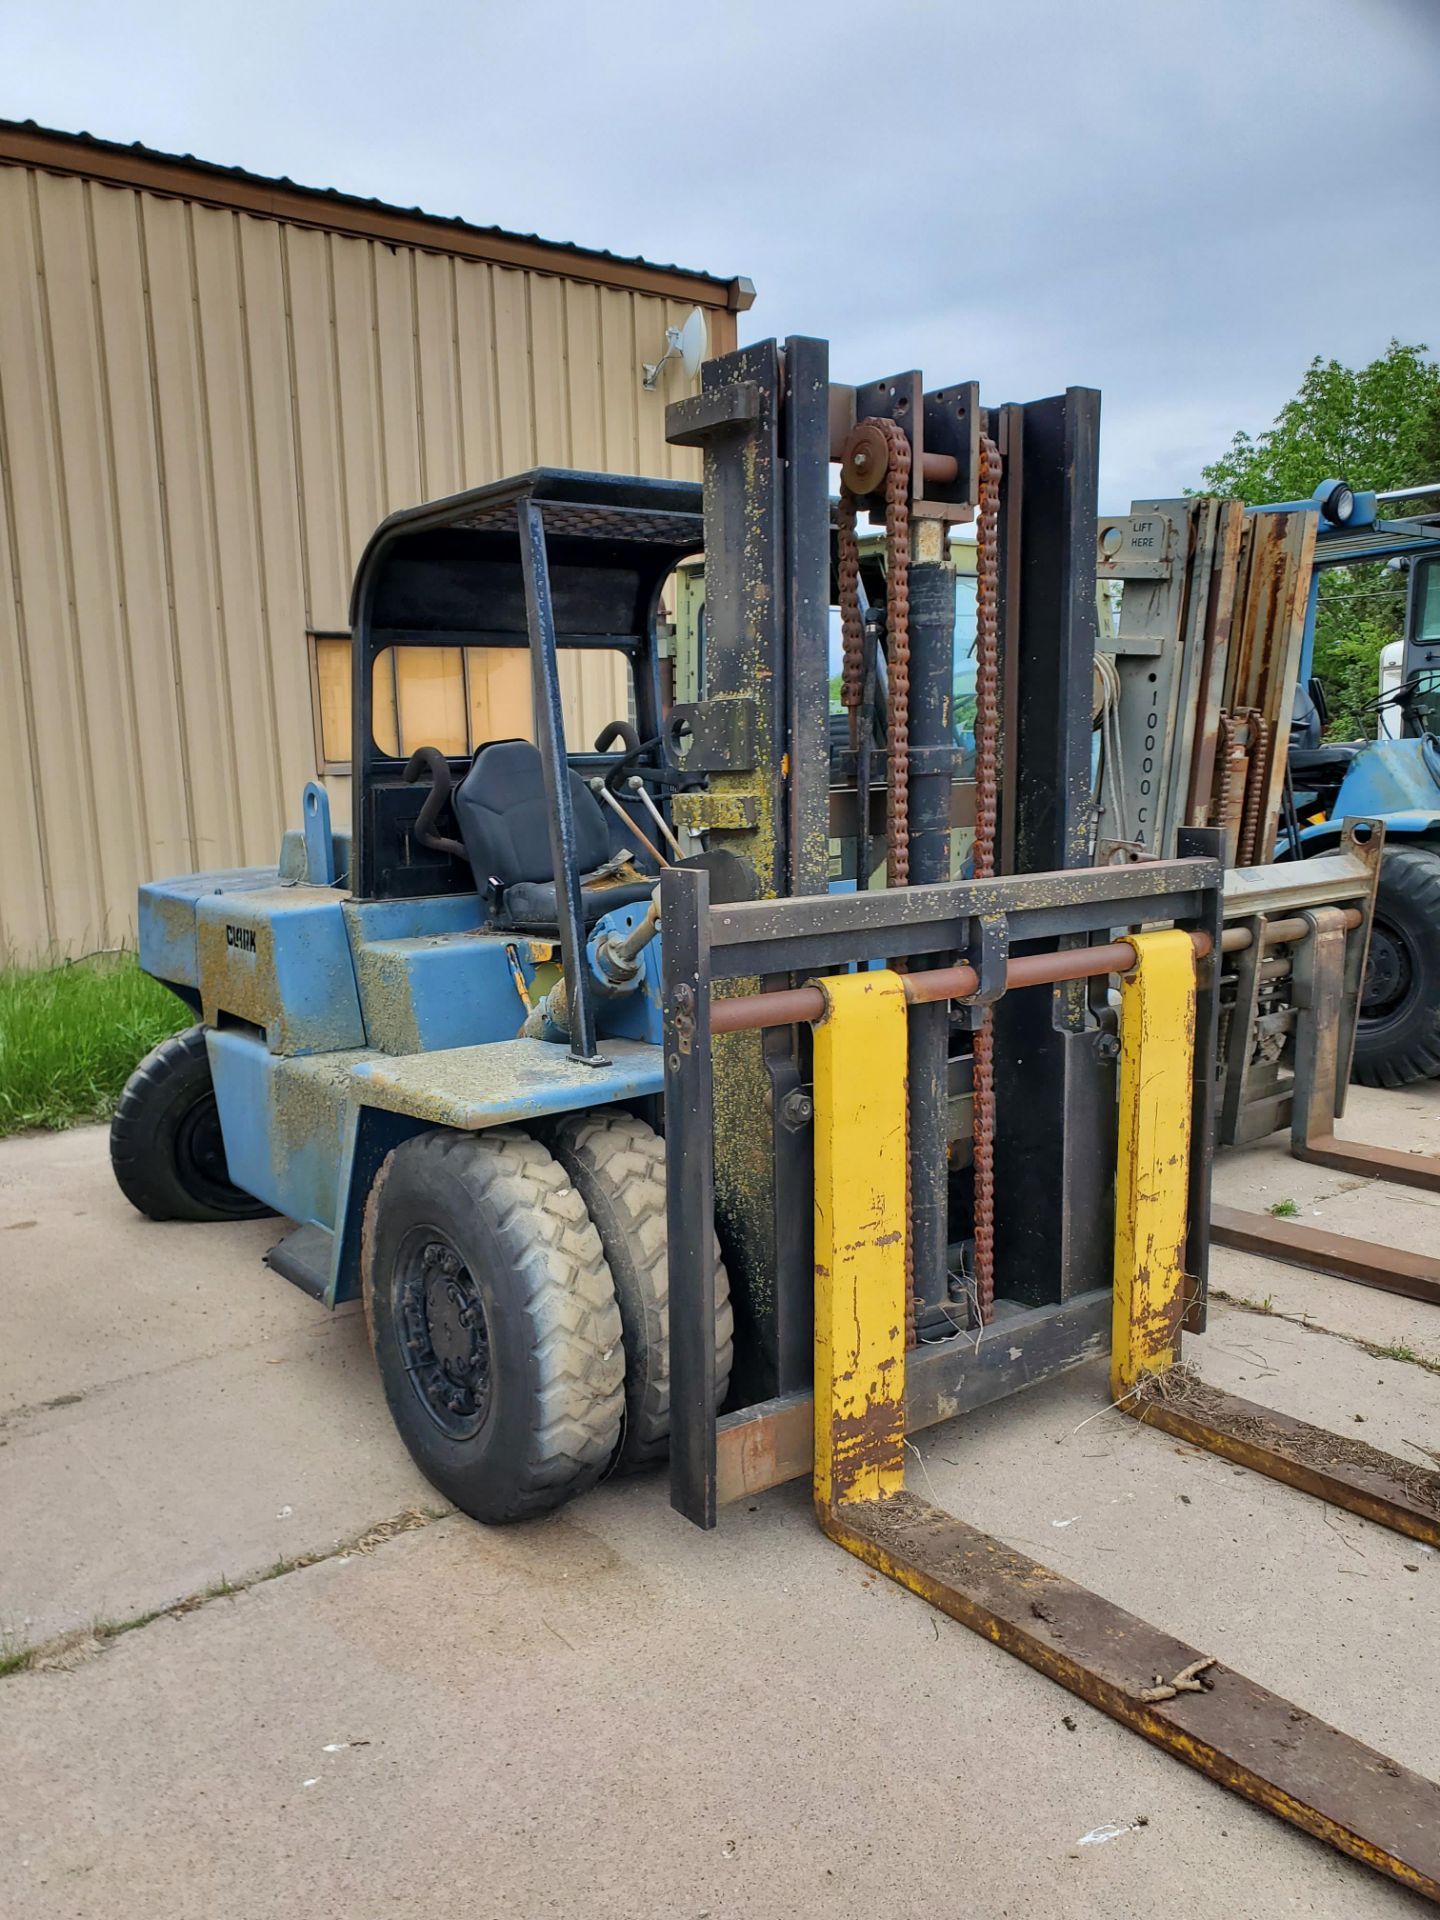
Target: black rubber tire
(618,1164)
(1401,1042)
(555,1402)
(166,1148)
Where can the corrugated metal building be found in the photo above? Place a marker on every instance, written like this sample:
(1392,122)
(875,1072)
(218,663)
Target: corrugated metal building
(212,387)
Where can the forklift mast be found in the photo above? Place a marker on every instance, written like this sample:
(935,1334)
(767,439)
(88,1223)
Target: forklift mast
(771,422)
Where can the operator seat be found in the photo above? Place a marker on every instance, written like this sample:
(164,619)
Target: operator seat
(1330,760)
(504,821)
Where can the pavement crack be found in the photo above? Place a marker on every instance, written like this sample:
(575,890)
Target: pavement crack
(12,1417)
(1378,1350)
(66,1651)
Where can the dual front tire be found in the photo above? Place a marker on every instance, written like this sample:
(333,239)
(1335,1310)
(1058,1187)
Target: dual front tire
(517,1300)
(516,1290)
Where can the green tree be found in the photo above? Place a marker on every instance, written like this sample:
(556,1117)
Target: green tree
(1377,427)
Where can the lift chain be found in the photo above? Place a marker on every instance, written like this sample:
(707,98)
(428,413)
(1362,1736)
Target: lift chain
(852,626)
(897,648)
(1227,800)
(987,729)
(1256,786)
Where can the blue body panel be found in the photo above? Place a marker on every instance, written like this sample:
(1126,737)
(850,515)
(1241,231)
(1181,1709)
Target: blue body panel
(278,958)
(1412,824)
(1391,778)
(285,1123)
(1394,781)
(167,927)
(306,1134)
(638,1014)
(430,976)
(506,1084)
(339,1028)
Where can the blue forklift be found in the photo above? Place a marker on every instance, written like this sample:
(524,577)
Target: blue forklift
(1395,779)
(632,1147)
(387,1052)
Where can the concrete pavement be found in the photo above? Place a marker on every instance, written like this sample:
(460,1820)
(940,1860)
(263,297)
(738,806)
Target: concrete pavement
(605,1712)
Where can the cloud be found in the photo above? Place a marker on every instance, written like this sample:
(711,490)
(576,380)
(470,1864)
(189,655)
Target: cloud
(1179,205)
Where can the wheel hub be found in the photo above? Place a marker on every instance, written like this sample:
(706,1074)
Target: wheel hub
(200,1153)
(443,1332)
(1387,973)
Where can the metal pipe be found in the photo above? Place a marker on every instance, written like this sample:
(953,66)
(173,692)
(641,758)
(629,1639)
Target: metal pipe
(744,1012)
(602,792)
(637,786)
(791,1005)
(940,469)
(795,1004)
(1278,933)
(1407,493)
(640,935)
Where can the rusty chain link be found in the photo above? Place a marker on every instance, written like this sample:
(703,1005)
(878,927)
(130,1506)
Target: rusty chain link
(852,626)
(987,715)
(897,637)
(1257,786)
(897,652)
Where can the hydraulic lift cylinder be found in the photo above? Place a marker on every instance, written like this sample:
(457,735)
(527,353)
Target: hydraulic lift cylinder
(932,771)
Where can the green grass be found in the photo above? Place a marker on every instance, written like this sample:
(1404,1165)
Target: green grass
(1285,1210)
(70,1038)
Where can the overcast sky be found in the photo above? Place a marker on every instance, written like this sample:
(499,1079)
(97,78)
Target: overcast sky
(1179,204)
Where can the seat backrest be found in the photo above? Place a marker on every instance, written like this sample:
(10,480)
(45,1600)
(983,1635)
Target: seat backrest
(505,819)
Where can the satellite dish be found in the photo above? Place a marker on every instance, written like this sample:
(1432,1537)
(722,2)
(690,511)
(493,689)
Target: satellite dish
(688,343)
(694,342)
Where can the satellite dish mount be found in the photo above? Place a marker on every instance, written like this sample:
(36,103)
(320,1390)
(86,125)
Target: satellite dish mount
(686,343)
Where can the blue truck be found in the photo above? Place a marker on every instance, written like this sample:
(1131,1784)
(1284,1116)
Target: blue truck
(1394,778)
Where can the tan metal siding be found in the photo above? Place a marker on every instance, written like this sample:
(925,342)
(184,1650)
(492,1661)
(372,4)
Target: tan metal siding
(203,415)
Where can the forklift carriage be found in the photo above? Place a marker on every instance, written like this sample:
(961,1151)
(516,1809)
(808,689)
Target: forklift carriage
(638,1132)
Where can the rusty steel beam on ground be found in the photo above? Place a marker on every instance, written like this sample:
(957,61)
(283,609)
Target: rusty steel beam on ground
(1399,1494)
(1391,1269)
(1322,1063)
(1237,1732)
(1420,1170)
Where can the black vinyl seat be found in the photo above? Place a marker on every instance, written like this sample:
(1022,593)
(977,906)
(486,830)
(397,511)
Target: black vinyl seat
(504,821)
(1333,757)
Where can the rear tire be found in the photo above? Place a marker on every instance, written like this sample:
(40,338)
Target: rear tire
(493,1319)
(1397,1039)
(166,1147)
(617,1163)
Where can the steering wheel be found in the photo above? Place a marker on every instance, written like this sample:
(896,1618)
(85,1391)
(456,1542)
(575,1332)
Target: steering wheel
(634,761)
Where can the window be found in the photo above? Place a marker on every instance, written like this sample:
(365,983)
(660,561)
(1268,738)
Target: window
(1427,602)
(456,698)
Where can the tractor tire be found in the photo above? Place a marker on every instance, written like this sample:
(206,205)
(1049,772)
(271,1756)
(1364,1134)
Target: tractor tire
(617,1163)
(493,1320)
(166,1148)
(1397,1039)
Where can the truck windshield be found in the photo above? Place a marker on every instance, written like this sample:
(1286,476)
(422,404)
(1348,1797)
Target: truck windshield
(1422,652)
